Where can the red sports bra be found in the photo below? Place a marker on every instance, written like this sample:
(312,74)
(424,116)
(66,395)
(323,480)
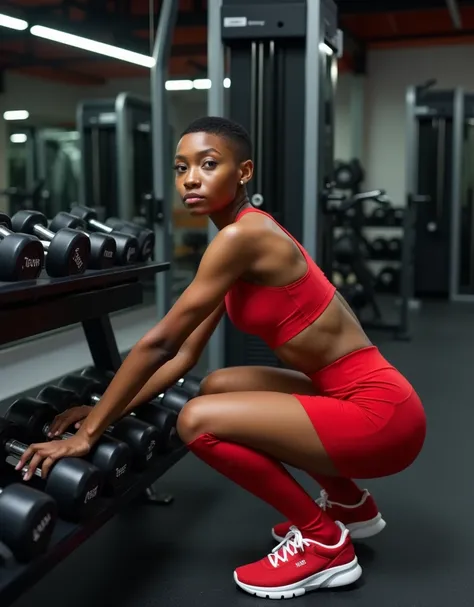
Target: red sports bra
(277,314)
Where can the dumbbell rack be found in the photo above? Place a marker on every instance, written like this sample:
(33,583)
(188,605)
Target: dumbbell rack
(34,307)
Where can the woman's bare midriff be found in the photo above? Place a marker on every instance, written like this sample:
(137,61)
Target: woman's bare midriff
(336,333)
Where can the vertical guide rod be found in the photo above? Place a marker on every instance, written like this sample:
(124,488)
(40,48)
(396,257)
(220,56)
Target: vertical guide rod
(312,110)
(161,146)
(456,195)
(215,107)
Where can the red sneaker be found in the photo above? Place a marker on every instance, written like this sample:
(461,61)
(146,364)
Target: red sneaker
(299,565)
(363,520)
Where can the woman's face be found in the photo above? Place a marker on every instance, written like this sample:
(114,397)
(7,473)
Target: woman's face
(207,173)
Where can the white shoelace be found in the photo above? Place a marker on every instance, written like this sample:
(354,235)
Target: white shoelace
(323,501)
(294,542)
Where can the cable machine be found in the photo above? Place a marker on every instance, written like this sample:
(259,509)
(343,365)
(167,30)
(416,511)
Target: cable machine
(282,59)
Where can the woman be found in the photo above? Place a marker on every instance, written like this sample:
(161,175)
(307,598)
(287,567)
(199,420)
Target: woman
(344,412)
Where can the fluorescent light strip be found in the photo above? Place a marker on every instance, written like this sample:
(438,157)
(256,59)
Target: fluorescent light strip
(13,23)
(18,138)
(188,85)
(93,46)
(16,115)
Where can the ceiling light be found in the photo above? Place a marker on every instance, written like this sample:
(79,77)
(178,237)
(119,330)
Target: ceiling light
(18,138)
(92,45)
(202,83)
(13,23)
(16,115)
(179,85)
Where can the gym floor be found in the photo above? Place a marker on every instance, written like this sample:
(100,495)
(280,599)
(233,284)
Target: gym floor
(185,553)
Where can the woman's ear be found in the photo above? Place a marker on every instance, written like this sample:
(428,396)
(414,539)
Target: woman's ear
(246,171)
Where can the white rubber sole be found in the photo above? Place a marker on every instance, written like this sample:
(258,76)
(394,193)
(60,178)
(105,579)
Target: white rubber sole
(330,578)
(357,531)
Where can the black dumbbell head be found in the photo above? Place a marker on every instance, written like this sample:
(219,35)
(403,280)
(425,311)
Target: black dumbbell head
(140,437)
(9,431)
(103,251)
(175,399)
(66,220)
(127,248)
(68,253)
(162,419)
(75,485)
(191,384)
(82,387)
(31,415)
(84,213)
(58,398)
(5,221)
(27,520)
(145,237)
(25,221)
(113,458)
(21,257)
(103,378)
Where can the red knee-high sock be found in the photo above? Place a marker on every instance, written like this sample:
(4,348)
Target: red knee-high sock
(341,490)
(266,478)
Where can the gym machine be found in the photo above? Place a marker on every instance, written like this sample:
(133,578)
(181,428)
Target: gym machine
(115,139)
(282,66)
(440,147)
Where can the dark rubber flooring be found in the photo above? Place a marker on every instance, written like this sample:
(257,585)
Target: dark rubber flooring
(184,554)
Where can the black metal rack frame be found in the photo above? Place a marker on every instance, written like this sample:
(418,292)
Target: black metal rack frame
(34,307)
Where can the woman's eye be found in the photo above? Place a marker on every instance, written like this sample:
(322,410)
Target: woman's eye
(179,168)
(210,164)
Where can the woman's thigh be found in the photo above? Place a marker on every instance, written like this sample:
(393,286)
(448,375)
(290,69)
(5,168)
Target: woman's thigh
(271,422)
(257,379)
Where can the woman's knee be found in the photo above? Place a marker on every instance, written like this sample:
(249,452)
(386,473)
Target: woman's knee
(217,382)
(192,420)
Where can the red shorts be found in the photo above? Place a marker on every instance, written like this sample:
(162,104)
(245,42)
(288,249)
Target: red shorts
(368,417)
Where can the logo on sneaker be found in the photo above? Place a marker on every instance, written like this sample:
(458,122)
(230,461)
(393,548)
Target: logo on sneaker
(300,563)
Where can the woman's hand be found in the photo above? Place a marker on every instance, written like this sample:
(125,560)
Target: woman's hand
(46,454)
(64,420)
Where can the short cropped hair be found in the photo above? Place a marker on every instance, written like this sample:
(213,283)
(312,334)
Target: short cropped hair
(228,129)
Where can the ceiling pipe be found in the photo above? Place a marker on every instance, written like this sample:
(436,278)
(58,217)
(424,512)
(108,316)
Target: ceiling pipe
(454,12)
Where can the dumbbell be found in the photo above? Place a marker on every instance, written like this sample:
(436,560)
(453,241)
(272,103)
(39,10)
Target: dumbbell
(379,248)
(398,216)
(21,255)
(141,437)
(388,280)
(191,384)
(103,247)
(164,420)
(27,520)
(173,399)
(394,248)
(145,237)
(127,246)
(73,483)
(68,251)
(112,457)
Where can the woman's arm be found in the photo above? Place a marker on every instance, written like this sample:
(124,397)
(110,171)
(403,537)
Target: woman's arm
(187,357)
(228,256)
(165,377)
